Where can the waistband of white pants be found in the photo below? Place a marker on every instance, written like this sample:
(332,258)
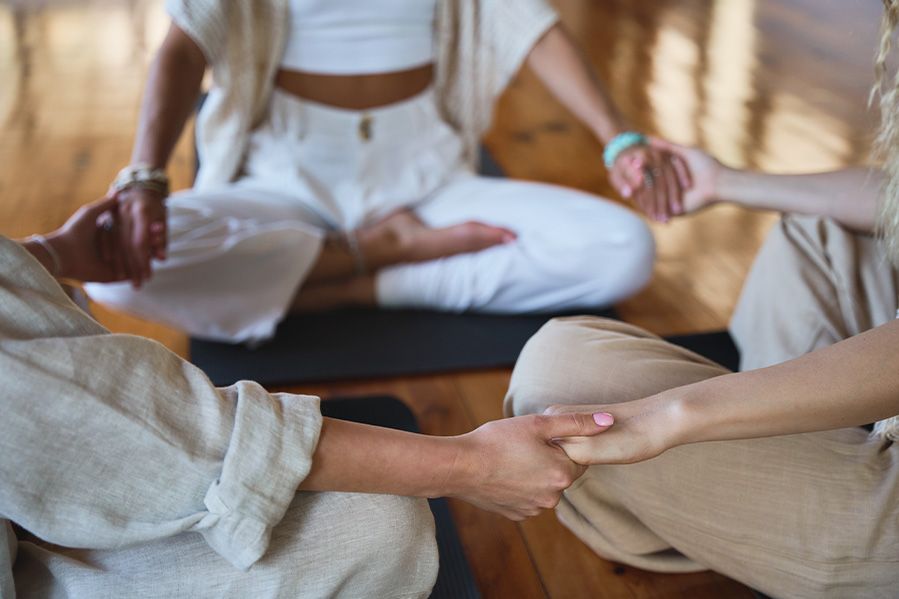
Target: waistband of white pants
(417,113)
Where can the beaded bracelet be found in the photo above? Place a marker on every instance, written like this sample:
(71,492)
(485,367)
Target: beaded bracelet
(619,144)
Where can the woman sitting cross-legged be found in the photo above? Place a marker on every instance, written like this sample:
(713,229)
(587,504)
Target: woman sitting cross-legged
(766,475)
(337,147)
(150,482)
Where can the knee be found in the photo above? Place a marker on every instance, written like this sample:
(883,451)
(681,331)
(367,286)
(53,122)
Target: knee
(368,545)
(399,544)
(566,362)
(615,261)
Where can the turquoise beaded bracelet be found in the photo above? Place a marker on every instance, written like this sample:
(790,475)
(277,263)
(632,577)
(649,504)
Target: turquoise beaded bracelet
(620,143)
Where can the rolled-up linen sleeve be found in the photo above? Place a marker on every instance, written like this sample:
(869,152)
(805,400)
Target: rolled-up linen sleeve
(110,440)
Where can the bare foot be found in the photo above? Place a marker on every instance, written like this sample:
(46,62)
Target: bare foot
(402,237)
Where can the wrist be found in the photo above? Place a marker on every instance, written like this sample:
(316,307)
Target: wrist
(60,241)
(620,144)
(688,414)
(142,176)
(726,183)
(669,416)
(460,475)
(48,251)
(606,132)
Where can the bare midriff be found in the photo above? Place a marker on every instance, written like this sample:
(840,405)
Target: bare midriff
(356,92)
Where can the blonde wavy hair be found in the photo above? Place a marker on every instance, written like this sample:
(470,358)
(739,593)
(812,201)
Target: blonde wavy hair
(886,90)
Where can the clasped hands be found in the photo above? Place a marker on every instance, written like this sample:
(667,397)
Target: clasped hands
(665,180)
(112,239)
(518,466)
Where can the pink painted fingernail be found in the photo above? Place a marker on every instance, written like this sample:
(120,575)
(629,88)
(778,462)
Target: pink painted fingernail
(603,419)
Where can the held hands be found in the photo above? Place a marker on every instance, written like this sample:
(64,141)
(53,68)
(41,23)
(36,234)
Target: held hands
(643,429)
(514,467)
(85,245)
(140,231)
(112,239)
(665,179)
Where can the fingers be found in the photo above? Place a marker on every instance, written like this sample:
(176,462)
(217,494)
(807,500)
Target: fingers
(467,237)
(142,232)
(655,177)
(665,145)
(574,424)
(580,450)
(621,184)
(158,239)
(646,196)
(106,247)
(673,188)
(483,235)
(662,188)
(683,171)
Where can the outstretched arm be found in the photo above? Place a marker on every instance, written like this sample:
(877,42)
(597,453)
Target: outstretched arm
(173,88)
(851,383)
(849,196)
(512,467)
(642,172)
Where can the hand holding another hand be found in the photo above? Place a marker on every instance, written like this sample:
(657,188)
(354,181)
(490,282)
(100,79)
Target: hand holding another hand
(655,179)
(141,230)
(643,429)
(515,467)
(666,179)
(86,246)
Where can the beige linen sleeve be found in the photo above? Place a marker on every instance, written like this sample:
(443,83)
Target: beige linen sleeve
(110,440)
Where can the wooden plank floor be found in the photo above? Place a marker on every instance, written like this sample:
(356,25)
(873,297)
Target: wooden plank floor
(778,85)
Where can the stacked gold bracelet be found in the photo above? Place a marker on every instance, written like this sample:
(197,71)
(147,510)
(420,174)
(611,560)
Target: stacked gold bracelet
(143,176)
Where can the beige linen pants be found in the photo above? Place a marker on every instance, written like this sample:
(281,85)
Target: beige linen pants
(812,515)
(328,545)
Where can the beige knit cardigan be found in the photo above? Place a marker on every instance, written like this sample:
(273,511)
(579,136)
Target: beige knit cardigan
(480,46)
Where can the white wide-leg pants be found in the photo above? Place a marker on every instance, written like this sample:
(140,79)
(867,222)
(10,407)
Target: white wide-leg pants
(239,253)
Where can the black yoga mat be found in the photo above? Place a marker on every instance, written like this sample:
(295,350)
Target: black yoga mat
(357,344)
(717,346)
(454,580)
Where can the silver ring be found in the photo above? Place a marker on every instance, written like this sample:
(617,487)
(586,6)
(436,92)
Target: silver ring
(107,225)
(648,179)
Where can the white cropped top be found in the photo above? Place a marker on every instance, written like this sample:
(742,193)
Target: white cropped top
(359,37)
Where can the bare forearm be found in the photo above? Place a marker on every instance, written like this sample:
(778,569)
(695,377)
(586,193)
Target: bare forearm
(353,457)
(173,87)
(851,383)
(848,196)
(513,467)
(560,65)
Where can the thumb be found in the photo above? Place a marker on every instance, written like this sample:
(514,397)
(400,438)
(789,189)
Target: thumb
(664,144)
(100,206)
(575,424)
